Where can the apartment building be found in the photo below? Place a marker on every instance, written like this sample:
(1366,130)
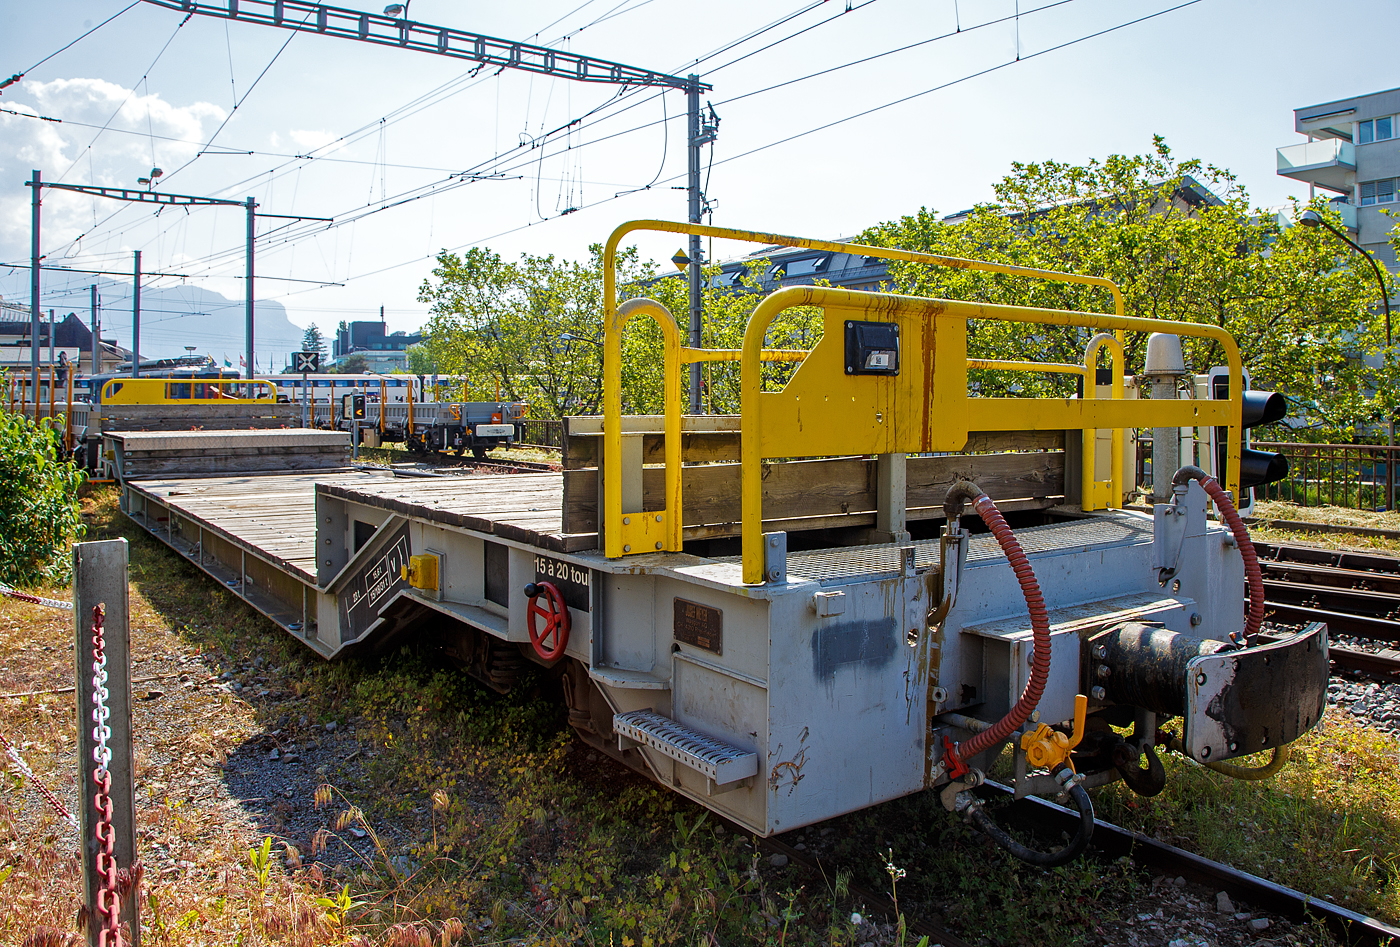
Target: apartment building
(1352,152)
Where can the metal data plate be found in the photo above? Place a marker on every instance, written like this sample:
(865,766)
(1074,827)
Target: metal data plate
(1241,702)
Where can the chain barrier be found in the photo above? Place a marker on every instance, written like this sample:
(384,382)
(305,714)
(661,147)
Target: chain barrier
(10,592)
(109,906)
(23,767)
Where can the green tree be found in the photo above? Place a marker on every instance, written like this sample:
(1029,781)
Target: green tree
(39,515)
(353,364)
(1299,307)
(535,328)
(313,341)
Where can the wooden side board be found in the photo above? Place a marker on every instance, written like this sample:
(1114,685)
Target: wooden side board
(710,447)
(209,416)
(822,494)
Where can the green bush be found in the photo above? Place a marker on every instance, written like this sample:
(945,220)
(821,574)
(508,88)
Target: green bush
(39,514)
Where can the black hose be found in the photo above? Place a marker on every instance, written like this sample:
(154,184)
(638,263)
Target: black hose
(1063,856)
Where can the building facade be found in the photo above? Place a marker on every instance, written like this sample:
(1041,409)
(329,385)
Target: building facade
(383,352)
(1352,152)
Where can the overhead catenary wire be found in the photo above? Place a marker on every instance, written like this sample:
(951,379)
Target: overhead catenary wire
(810,131)
(496,161)
(409,109)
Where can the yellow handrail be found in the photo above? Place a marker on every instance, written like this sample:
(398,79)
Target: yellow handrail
(993,414)
(1096,494)
(610,513)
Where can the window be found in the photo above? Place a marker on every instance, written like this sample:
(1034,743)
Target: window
(1377,129)
(807,266)
(1378,192)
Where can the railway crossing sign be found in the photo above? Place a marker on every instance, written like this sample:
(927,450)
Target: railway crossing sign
(306,362)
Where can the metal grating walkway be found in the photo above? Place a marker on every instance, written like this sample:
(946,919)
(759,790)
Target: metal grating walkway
(864,562)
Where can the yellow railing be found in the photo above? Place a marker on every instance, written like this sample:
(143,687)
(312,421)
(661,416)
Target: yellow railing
(923,408)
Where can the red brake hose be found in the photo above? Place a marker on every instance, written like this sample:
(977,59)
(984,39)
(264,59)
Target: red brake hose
(1035,604)
(1252,575)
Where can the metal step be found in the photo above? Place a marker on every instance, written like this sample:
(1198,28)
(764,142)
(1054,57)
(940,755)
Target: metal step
(723,763)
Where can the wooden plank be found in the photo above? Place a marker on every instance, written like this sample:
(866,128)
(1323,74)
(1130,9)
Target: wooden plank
(835,492)
(723,446)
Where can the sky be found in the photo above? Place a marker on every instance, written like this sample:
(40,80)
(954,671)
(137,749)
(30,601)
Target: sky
(410,153)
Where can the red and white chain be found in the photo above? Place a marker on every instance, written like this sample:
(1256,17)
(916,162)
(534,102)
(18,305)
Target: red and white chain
(23,767)
(109,906)
(14,593)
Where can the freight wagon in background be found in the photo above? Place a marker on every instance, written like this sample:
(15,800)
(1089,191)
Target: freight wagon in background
(867,584)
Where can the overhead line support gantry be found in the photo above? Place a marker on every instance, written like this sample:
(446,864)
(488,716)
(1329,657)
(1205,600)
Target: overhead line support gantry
(384,30)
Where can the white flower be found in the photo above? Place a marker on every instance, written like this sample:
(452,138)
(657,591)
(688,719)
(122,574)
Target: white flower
(856,919)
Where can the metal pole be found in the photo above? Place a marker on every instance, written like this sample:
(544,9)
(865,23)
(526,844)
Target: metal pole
(136,319)
(692,101)
(96,342)
(248,299)
(35,188)
(100,578)
(50,336)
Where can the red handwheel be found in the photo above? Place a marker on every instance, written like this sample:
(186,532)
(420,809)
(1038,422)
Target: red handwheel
(550,642)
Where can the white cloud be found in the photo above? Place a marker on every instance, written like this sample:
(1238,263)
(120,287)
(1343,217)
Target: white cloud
(140,129)
(308,139)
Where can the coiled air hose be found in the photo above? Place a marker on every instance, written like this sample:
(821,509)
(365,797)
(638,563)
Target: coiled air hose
(1062,856)
(1252,575)
(958,493)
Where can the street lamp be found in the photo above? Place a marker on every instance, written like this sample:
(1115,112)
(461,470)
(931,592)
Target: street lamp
(1311,218)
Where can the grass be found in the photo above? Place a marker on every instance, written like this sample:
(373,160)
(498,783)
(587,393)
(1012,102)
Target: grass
(1328,824)
(491,824)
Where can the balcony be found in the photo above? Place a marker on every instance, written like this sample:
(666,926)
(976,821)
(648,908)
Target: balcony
(1347,212)
(1329,164)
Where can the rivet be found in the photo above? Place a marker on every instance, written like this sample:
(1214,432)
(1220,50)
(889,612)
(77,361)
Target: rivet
(1196,619)
(658,517)
(1098,693)
(1201,678)
(626,548)
(1105,671)
(627,521)
(1101,651)
(1234,747)
(658,545)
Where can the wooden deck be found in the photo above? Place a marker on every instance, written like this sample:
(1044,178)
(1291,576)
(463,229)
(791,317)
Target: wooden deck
(273,515)
(526,508)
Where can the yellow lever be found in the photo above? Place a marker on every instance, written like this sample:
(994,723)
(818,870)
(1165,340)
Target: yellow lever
(1047,748)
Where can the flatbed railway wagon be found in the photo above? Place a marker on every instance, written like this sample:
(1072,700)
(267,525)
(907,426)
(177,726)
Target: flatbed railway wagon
(784,615)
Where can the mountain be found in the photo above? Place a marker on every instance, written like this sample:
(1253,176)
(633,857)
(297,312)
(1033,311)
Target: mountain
(179,316)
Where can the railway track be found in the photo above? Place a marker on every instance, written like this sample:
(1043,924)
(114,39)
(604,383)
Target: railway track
(1356,594)
(1112,842)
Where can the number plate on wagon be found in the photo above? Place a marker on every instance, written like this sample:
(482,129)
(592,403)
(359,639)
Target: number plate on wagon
(494,430)
(572,581)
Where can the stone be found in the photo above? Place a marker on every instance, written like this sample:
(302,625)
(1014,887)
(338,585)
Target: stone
(1223,904)
(778,861)
(330,727)
(273,754)
(1259,924)
(1179,881)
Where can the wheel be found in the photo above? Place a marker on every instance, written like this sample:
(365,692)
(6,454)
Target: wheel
(478,452)
(549,642)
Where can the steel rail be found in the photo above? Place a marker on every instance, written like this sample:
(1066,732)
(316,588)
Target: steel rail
(1112,842)
(1362,626)
(1300,573)
(1335,558)
(1352,601)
